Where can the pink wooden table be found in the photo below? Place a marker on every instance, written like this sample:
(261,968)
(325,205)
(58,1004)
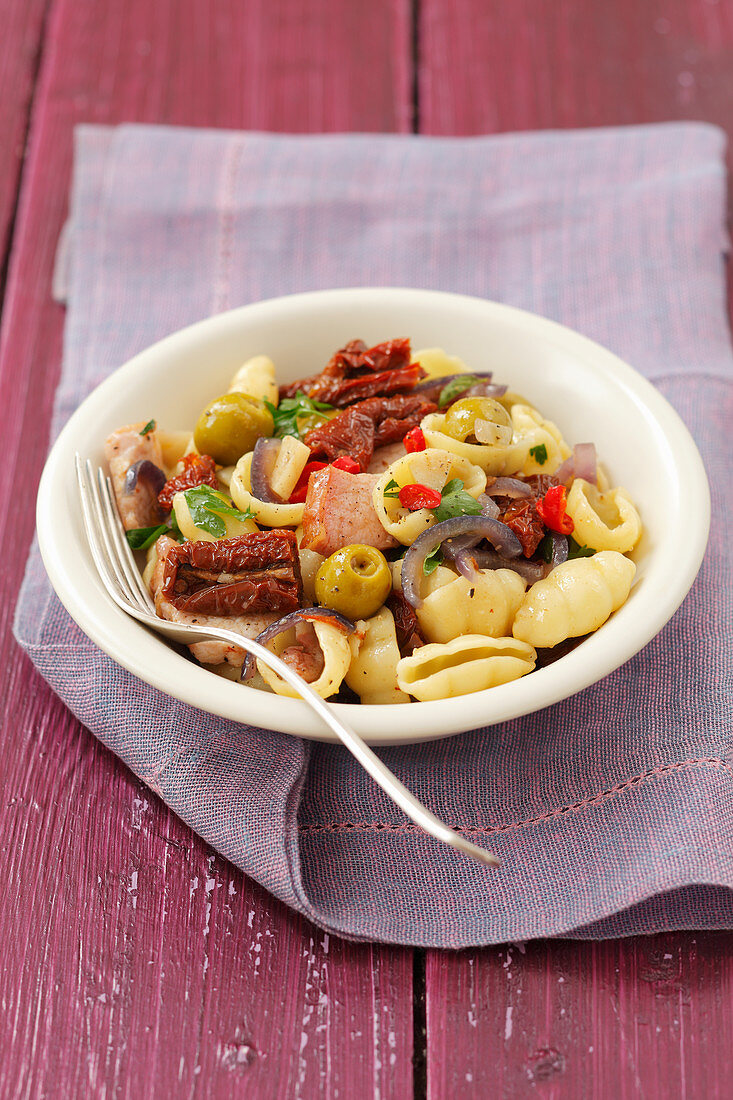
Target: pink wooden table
(134,962)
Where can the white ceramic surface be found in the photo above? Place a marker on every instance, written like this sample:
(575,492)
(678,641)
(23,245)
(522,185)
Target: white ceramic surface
(587,391)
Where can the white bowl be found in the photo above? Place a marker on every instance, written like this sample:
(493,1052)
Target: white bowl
(585,389)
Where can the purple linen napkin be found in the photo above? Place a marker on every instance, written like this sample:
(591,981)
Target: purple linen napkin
(612,812)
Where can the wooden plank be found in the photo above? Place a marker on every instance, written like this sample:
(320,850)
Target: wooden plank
(22,23)
(644,1017)
(134,962)
(615,1018)
(543,64)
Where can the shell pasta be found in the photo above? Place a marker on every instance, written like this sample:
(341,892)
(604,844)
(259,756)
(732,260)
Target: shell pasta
(398,527)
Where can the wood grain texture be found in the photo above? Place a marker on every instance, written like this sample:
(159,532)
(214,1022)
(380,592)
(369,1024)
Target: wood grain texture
(544,64)
(22,24)
(645,1017)
(134,962)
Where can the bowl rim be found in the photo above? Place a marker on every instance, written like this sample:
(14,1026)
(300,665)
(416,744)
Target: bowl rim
(600,654)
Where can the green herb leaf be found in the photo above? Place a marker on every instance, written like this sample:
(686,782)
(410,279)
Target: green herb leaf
(207,508)
(389,489)
(539,454)
(544,549)
(432,561)
(456,502)
(575,550)
(141,538)
(287,416)
(176,531)
(459,385)
(149,427)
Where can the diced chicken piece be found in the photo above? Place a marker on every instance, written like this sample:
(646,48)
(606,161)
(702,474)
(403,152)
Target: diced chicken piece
(339,511)
(385,456)
(136,485)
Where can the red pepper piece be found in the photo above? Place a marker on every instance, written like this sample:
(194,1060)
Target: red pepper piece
(347,463)
(415,441)
(415,497)
(300,491)
(551,509)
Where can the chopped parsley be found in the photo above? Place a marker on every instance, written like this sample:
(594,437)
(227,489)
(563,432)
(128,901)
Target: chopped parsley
(176,531)
(432,561)
(208,508)
(544,549)
(149,427)
(575,550)
(459,385)
(456,502)
(392,490)
(539,454)
(142,538)
(287,416)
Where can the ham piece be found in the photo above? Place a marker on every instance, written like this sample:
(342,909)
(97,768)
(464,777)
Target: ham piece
(137,498)
(339,511)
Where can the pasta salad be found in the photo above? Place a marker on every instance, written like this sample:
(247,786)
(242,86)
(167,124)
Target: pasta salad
(397,527)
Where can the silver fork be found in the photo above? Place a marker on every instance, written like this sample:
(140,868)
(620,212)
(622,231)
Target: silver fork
(121,578)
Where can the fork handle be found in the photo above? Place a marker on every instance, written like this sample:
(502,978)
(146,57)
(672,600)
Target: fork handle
(368,759)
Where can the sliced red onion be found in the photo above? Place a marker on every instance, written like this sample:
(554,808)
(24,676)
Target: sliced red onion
(586,465)
(482,527)
(582,463)
(489,507)
(531,571)
(307,614)
(465,563)
(264,458)
(508,487)
(485,389)
(146,471)
(560,548)
(486,431)
(432,388)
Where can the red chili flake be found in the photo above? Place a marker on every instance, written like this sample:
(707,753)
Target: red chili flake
(551,509)
(415,441)
(348,464)
(197,470)
(300,491)
(415,497)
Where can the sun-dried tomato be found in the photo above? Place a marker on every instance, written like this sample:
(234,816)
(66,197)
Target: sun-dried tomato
(361,428)
(382,384)
(349,433)
(521,513)
(197,470)
(395,416)
(407,627)
(356,372)
(257,572)
(521,516)
(418,496)
(540,483)
(415,441)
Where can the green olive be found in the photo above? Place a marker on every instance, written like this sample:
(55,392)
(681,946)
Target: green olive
(230,426)
(461,417)
(356,581)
